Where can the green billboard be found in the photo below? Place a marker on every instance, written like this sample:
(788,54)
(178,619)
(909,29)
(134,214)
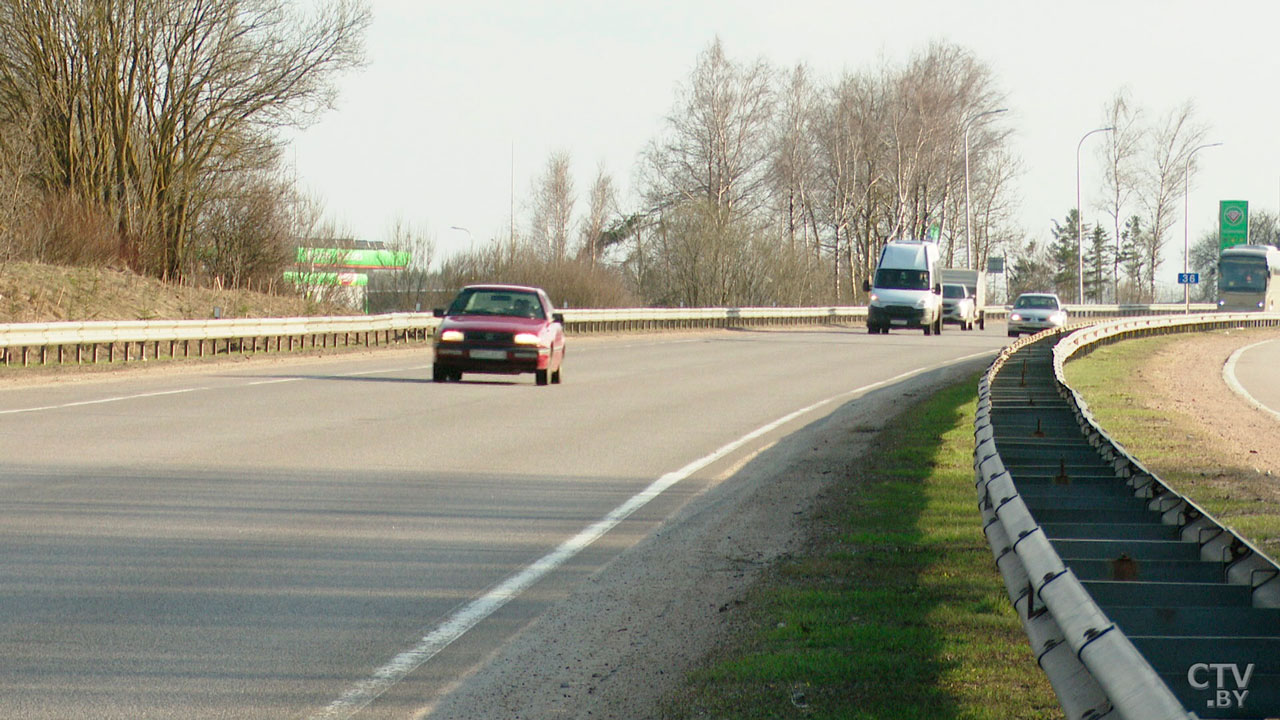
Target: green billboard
(349,259)
(1233,223)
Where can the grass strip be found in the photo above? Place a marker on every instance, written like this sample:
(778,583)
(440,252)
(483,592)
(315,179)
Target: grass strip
(1186,454)
(895,609)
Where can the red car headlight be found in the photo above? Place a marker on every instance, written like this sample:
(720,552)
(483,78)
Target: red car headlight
(526,339)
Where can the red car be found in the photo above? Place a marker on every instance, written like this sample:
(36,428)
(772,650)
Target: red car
(502,329)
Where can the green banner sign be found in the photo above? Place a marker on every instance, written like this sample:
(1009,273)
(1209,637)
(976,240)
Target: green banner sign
(1233,223)
(353,259)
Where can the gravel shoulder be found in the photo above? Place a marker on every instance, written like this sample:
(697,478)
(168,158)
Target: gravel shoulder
(1186,378)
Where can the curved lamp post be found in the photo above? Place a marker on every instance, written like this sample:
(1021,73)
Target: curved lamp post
(1186,230)
(1080,219)
(968,235)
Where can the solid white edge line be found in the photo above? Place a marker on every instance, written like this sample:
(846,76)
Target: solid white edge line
(1229,376)
(471,614)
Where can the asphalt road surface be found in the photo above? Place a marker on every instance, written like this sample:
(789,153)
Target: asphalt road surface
(1253,371)
(344,538)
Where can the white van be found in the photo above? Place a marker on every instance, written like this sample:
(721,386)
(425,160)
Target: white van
(907,290)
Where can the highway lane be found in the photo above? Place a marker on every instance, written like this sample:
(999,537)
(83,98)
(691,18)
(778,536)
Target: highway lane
(257,540)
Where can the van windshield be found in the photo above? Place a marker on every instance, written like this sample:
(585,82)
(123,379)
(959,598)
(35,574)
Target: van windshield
(893,279)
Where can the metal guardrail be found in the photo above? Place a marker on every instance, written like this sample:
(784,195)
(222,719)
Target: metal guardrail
(1134,599)
(628,319)
(44,343)
(77,342)
(62,342)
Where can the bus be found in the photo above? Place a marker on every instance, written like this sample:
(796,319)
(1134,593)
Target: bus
(1249,278)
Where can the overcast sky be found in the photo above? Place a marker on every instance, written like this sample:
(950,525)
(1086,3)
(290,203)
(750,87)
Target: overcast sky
(462,99)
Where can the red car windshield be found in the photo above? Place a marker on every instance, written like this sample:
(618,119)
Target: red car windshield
(512,303)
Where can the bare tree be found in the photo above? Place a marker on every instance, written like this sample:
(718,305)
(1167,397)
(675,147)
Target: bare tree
(602,209)
(16,194)
(1171,146)
(715,149)
(1120,154)
(413,287)
(994,205)
(553,202)
(891,157)
(849,162)
(793,169)
(141,106)
(244,231)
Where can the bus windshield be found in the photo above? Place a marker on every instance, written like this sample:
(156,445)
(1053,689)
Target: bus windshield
(1242,276)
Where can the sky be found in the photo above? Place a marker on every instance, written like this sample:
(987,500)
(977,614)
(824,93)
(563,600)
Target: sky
(461,103)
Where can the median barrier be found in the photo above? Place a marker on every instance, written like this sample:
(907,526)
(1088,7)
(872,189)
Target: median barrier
(1134,599)
(75,342)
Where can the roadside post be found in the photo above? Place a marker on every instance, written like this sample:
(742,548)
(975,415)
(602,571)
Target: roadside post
(1188,278)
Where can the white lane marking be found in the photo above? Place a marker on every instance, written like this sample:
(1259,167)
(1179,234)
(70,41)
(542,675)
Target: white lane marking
(471,614)
(101,401)
(180,391)
(1229,375)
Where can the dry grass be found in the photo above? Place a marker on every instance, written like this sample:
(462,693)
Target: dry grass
(33,292)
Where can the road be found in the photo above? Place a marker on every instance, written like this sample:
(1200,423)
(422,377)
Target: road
(344,538)
(1251,372)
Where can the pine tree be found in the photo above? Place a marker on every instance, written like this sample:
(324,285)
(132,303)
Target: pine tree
(1064,253)
(1098,254)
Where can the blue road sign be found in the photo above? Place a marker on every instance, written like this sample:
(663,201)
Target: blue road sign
(1188,278)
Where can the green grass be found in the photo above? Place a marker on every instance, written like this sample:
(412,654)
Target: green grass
(1176,447)
(895,611)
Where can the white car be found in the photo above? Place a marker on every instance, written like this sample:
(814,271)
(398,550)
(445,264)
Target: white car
(1033,312)
(958,306)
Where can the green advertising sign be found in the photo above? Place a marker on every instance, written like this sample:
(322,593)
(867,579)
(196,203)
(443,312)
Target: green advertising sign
(353,259)
(1233,223)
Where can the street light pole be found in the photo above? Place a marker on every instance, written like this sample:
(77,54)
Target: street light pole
(1186,229)
(968,234)
(1080,219)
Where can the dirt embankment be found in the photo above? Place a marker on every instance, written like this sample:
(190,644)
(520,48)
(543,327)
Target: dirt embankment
(33,292)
